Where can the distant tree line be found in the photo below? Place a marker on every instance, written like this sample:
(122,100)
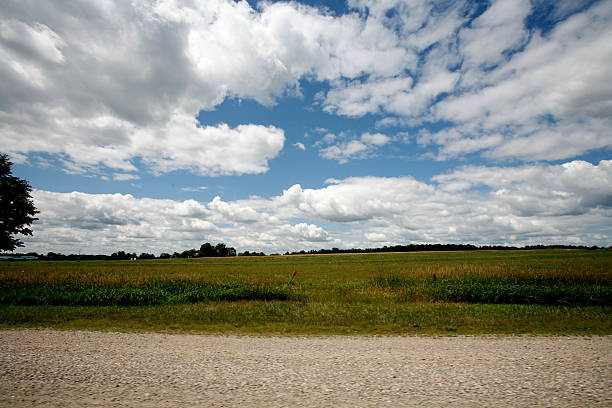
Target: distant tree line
(437,247)
(247,253)
(221,250)
(206,250)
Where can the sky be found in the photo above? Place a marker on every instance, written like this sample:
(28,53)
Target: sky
(155,126)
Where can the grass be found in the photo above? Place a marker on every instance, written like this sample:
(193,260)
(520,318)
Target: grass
(296,318)
(552,291)
(539,292)
(164,292)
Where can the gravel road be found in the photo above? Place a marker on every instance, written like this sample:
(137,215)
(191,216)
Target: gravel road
(47,368)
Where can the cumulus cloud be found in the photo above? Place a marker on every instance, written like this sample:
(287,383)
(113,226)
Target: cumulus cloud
(210,150)
(550,101)
(125,176)
(571,188)
(358,98)
(375,139)
(567,203)
(427,28)
(521,205)
(501,88)
(234,212)
(108,222)
(375,236)
(356,198)
(344,151)
(499,29)
(310,232)
(103,83)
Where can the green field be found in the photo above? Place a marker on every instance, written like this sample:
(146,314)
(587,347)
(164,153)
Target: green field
(478,292)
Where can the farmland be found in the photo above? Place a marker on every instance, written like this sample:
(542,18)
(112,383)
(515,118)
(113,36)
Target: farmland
(477,292)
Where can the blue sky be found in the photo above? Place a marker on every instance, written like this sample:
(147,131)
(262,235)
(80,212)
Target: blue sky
(274,126)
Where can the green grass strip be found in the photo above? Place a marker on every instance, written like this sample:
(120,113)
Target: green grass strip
(153,294)
(562,292)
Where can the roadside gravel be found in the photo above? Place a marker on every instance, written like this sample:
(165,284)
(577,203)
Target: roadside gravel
(47,368)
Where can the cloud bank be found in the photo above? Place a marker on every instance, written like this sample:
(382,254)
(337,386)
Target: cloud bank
(567,203)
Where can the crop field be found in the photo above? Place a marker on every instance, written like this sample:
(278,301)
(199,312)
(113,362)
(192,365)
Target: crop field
(476,292)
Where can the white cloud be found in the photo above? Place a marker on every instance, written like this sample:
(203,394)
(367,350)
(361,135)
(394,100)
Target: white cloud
(526,204)
(419,23)
(375,236)
(550,101)
(358,98)
(355,199)
(234,212)
(377,139)
(125,176)
(180,144)
(194,189)
(344,151)
(572,188)
(428,28)
(106,82)
(300,145)
(500,28)
(568,203)
(210,150)
(505,91)
(104,223)
(310,232)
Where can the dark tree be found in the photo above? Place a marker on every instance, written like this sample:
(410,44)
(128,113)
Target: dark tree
(16,207)
(207,250)
(221,250)
(120,255)
(144,255)
(190,253)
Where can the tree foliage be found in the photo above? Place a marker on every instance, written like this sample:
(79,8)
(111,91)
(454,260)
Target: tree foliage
(17,209)
(218,250)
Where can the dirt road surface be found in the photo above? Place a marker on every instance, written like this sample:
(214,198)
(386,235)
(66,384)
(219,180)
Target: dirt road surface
(47,368)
